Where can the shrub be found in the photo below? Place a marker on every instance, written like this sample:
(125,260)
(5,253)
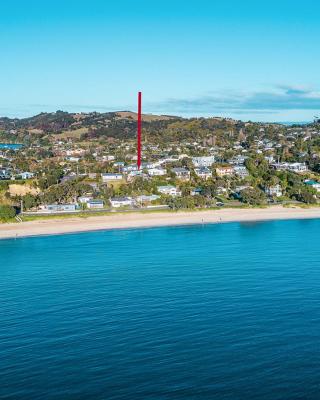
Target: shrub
(307,197)
(252,196)
(7,212)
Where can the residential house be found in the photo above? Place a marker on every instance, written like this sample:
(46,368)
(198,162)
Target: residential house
(149,165)
(270,159)
(203,173)
(222,190)
(297,167)
(119,164)
(169,190)
(273,191)
(132,174)
(313,184)
(5,174)
(108,157)
(111,177)
(26,175)
(117,202)
(182,173)
(241,171)
(225,171)
(143,199)
(157,171)
(205,161)
(69,178)
(85,199)
(59,207)
(237,190)
(293,167)
(129,168)
(95,204)
(238,160)
(196,192)
(73,159)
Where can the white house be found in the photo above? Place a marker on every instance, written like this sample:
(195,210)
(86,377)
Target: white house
(84,199)
(273,190)
(205,161)
(27,175)
(149,165)
(59,207)
(270,159)
(129,168)
(119,164)
(117,202)
(109,177)
(279,166)
(297,167)
(133,174)
(95,204)
(238,160)
(294,167)
(147,198)
(157,171)
(238,189)
(108,157)
(169,190)
(222,190)
(241,171)
(73,159)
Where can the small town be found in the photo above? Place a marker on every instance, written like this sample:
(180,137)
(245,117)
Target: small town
(80,163)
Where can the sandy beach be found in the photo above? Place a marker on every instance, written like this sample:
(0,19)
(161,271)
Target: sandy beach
(146,220)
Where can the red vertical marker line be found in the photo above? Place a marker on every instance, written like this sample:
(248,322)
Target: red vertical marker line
(139,131)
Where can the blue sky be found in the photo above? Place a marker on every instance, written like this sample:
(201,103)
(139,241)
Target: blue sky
(246,59)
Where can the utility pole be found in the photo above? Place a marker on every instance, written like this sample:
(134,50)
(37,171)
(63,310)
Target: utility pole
(139,131)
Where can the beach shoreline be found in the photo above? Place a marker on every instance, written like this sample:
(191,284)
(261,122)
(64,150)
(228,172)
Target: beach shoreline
(150,220)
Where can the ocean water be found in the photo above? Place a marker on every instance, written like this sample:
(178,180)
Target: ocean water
(228,311)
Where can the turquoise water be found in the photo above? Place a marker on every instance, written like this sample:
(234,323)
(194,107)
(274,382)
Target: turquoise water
(12,146)
(228,311)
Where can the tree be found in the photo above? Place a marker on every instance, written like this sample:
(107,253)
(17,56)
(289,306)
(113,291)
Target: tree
(317,168)
(177,203)
(307,196)
(258,166)
(29,201)
(209,190)
(252,196)
(52,178)
(7,212)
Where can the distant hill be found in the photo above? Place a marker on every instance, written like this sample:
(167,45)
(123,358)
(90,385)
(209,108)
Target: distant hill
(145,117)
(118,125)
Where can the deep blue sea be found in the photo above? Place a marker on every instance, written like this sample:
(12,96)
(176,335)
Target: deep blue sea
(228,311)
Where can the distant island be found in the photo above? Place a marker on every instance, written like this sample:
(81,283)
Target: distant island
(82,163)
